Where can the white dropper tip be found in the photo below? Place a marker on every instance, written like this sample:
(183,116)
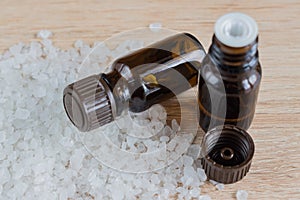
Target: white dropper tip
(236,29)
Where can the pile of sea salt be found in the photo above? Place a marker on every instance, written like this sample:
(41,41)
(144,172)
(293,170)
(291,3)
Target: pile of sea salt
(42,157)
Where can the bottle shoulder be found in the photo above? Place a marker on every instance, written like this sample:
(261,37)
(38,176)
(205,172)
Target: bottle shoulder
(217,78)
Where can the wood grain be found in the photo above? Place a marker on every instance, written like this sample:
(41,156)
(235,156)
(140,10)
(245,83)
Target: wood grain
(275,173)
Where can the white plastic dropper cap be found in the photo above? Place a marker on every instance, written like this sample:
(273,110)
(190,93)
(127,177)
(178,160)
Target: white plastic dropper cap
(236,29)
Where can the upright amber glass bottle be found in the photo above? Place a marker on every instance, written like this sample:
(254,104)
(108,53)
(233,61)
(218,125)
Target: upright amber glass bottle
(230,74)
(137,81)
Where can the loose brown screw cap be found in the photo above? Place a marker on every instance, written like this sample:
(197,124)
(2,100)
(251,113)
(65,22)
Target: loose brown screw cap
(88,103)
(227,153)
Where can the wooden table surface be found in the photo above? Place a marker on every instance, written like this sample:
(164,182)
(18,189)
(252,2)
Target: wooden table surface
(275,172)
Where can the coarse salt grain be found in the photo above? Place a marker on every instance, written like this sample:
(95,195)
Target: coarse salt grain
(155,27)
(194,151)
(195,192)
(213,182)
(201,174)
(22,113)
(44,34)
(241,195)
(187,161)
(175,125)
(42,151)
(2,136)
(220,186)
(204,197)
(164,138)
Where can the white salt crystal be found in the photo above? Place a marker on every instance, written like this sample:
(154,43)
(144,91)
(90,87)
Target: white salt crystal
(162,115)
(11,193)
(71,188)
(141,147)
(44,34)
(22,145)
(220,186)
(5,175)
(19,173)
(119,195)
(92,175)
(40,92)
(76,159)
(171,145)
(78,44)
(20,188)
(2,154)
(156,127)
(33,143)
(131,141)
(39,179)
(204,197)
(186,180)
(44,77)
(29,68)
(155,179)
(6,55)
(175,125)
(35,49)
(189,171)
(187,161)
(164,138)
(48,48)
(154,112)
(43,151)
(63,194)
(2,136)
(195,192)
(167,131)
(194,151)
(40,168)
(213,182)
(182,190)
(17,66)
(201,174)
(22,113)
(16,49)
(124,145)
(155,27)
(241,195)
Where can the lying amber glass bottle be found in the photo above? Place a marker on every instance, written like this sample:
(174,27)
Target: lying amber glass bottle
(136,82)
(230,75)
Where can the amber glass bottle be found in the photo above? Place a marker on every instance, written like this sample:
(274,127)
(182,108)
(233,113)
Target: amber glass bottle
(230,75)
(137,81)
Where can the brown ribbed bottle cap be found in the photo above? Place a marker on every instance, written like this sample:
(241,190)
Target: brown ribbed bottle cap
(87,103)
(227,153)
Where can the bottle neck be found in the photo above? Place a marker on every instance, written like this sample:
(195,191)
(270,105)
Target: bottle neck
(234,59)
(117,88)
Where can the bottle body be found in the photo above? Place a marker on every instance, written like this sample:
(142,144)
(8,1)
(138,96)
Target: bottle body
(155,73)
(228,85)
(136,82)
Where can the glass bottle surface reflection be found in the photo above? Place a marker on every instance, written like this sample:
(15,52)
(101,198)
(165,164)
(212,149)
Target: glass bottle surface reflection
(230,75)
(136,82)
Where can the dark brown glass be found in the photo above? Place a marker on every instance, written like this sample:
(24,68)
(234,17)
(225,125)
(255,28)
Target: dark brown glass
(228,85)
(136,82)
(155,73)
